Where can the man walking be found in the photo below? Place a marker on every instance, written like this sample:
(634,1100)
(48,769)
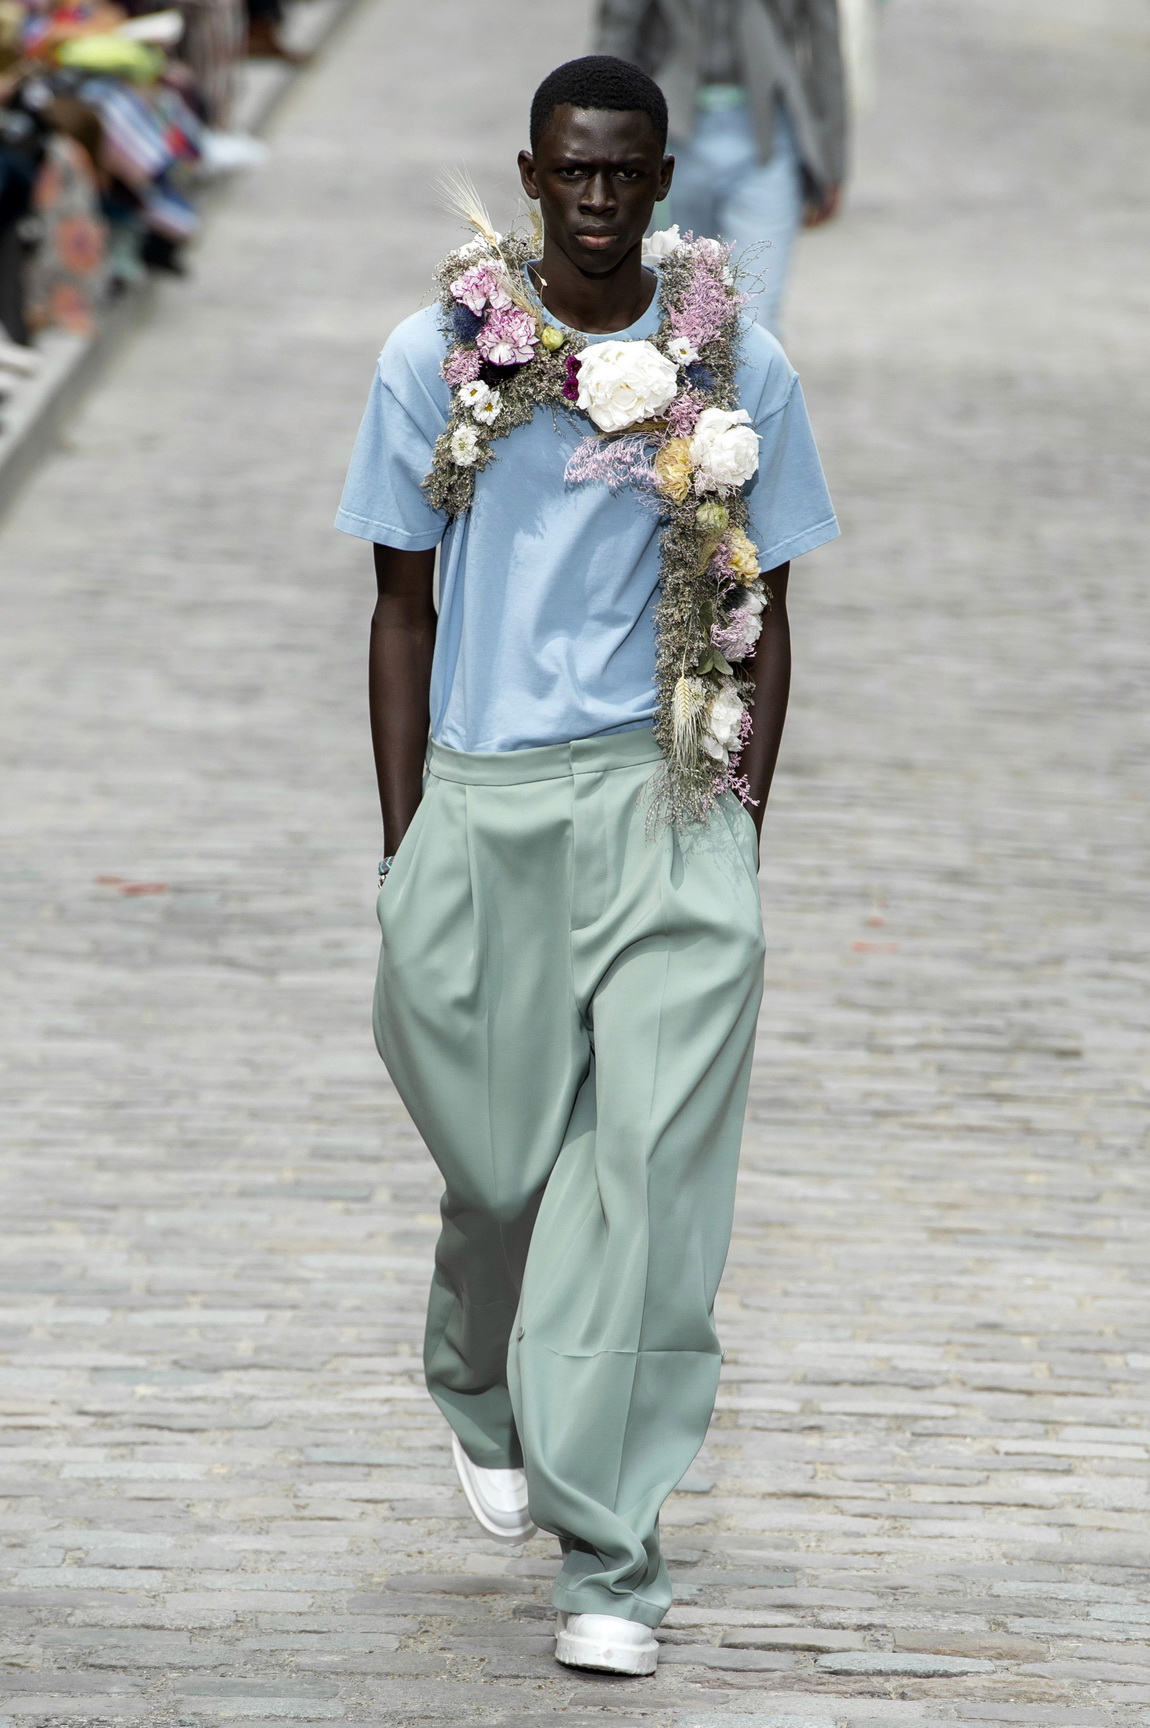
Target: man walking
(608,456)
(757,117)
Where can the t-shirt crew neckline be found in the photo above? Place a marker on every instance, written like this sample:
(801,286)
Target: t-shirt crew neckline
(644,326)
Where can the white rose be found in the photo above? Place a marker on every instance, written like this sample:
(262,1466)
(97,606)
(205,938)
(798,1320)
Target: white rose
(464,446)
(661,245)
(724,449)
(621,383)
(726,716)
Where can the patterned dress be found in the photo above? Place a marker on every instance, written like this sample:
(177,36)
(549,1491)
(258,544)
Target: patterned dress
(67,278)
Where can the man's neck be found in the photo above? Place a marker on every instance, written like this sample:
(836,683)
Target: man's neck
(596,305)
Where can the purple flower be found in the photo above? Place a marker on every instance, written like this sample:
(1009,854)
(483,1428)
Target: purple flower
(737,636)
(571,378)
(496,376)
(683,414)
(462,367)
(616,463)
(721,568)
(509,336)
(465,323)
(701,377)
(706,305)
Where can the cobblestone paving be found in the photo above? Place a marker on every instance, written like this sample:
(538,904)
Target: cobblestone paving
(924,1497)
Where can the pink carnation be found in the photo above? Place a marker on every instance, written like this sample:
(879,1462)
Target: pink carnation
(479,287)
(508,337)
(462,368)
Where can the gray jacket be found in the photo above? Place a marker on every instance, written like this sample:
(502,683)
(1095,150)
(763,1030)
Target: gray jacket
(790,50)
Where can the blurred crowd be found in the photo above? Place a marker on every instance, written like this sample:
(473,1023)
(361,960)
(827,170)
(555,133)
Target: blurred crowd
(111,111)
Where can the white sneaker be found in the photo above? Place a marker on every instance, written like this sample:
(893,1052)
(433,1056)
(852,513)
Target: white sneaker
(497,1497)
(604,1641)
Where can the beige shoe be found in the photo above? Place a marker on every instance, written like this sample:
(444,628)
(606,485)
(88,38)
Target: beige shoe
(605,1642)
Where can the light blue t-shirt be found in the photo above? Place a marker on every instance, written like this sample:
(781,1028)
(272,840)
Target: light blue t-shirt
(548,590)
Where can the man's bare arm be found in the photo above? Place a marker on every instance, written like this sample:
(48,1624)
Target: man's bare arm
(399,683)
(771,669)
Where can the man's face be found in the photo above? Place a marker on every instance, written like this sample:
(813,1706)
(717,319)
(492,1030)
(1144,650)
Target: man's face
(597,174)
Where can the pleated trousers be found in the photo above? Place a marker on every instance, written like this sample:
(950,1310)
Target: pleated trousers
(566,1002)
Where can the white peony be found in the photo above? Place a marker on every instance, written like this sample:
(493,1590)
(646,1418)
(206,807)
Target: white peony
(474,393)
(621,383)
(681,351)
(658,246)
(721,734)
(487,411)
(724,449)
(464,446)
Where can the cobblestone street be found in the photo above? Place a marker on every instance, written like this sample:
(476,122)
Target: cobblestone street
(225,1495)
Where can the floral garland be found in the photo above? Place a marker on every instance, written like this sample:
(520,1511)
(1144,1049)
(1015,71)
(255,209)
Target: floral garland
(668,423)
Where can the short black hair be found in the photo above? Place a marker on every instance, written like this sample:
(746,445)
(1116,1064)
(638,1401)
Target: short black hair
(599,81)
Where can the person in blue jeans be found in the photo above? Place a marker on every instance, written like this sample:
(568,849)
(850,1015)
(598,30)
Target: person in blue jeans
(758,119)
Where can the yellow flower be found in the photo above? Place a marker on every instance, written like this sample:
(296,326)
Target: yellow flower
(551,338)
(673,469)
(712,516)
(744,555)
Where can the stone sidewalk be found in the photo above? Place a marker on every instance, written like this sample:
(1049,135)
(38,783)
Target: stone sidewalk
(924,1499)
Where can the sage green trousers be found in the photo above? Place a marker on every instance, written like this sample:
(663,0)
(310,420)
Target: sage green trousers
(567,1005)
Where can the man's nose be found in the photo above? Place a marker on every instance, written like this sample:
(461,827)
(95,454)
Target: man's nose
(598,193)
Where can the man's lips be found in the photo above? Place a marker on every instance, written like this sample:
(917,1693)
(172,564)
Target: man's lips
(596,241)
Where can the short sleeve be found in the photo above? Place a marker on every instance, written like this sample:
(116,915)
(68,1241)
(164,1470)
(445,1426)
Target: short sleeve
(790,507)
(383,498)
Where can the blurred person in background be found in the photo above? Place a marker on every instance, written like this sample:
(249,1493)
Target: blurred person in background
(858,27)
(756,97)
(265,33)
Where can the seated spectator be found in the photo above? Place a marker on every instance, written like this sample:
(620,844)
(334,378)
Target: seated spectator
(109,111)
(66,279)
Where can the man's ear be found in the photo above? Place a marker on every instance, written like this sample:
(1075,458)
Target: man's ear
(666,175)
(527,174)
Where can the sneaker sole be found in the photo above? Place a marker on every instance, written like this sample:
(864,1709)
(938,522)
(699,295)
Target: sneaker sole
(584,1653)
